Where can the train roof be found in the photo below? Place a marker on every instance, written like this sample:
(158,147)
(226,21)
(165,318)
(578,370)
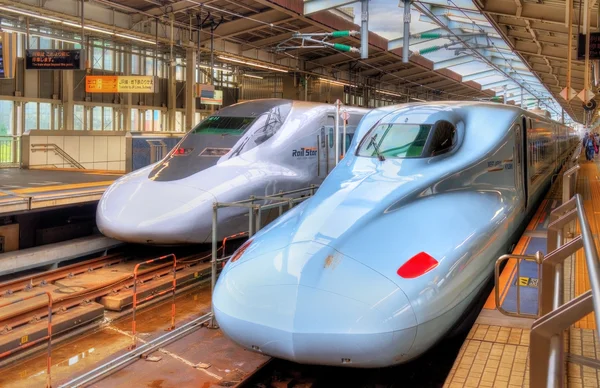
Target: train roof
(463,105)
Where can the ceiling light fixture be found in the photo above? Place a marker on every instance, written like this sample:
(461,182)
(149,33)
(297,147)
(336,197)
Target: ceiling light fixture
(390,93)
(135,38)
(252,64)
(336,82)
(30,14)
(98,30)
(72,24)
(223,70)
(253,76)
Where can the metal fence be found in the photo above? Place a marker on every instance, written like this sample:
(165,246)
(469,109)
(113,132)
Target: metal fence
(10,151)
(547,353)
(554,316)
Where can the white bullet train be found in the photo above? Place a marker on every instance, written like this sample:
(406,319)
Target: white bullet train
(398,241)
(252,148)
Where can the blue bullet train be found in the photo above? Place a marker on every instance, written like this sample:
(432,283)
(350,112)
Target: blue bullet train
(252,148)
(398,241)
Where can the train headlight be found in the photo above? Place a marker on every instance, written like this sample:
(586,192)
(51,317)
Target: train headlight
(419,264)
(240,251)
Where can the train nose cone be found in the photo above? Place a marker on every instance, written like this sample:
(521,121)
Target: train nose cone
(308,303)
(146,211)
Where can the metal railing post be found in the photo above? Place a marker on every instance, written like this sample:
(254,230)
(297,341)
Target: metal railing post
(213,264)
(258,218)
(135,301)
(251,221)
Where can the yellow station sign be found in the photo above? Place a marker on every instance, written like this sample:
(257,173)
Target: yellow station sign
(119,84)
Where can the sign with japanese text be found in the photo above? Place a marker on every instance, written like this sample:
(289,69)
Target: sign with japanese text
(136,84)
(119,84)
(101,84)
(217,98)
(54,59)
(594,46)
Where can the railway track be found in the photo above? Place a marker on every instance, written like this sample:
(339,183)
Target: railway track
(83,292)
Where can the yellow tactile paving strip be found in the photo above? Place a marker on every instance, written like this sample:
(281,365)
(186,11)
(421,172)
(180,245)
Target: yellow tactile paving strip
(492,356)
(592,210)
(585,343)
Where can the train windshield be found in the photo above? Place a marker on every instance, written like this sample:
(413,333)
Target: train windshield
(230,132)
(223,125)
(395,141)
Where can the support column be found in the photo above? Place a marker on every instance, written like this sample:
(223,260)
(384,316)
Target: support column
(364,29)
(127,100)
(171,96)
(67,100)
(190,78)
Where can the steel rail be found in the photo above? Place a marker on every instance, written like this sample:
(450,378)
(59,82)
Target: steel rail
(24,316)
(137,353)
(60,273)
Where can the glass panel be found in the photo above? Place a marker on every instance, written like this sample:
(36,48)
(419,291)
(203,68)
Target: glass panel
(108,57)
(45,115)
(224,125)
(395,141)
(178,122)
(157,121)
(149,66)
(78,119)
(108,118)
(6,116)
(31,116)
(135,64)
(45,43)
(135,120)
(58,117)
(97,118)
(97,58)
(179,73)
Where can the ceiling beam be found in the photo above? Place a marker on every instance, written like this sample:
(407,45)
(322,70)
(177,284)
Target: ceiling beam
(314,6)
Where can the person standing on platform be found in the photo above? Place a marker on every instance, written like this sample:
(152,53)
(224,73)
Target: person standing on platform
(589,145)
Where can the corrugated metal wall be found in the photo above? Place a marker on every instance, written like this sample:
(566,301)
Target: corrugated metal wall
(253,88)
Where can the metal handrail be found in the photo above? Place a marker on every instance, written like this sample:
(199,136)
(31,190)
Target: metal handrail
(538,257)
(546,338)
(555,232)
(53,147)
(569,188)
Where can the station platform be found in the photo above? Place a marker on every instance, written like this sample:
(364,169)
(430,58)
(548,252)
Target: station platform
(26,190)
(496,351)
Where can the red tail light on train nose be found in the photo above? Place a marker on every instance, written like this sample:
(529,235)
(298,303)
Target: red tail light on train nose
(237,254)
(182,151)
(419,264)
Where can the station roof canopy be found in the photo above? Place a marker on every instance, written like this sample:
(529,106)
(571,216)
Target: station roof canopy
(470,59)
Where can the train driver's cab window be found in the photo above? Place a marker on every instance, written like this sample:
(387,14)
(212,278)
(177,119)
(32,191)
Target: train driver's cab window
(265,126)
(443,138)
(408,140)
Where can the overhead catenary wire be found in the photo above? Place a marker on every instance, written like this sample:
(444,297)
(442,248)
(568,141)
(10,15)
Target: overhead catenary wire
(504,57)
(160,18)
(285,29)
(499,51)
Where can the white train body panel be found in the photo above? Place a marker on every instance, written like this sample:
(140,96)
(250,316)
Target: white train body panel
(171,202)
(342,278)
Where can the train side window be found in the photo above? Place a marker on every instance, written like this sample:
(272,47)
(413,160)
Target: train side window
(331,137)
(442,139)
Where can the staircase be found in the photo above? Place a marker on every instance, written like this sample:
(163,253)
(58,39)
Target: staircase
(57,151)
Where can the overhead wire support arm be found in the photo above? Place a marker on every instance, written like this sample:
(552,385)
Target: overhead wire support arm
(321,43)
